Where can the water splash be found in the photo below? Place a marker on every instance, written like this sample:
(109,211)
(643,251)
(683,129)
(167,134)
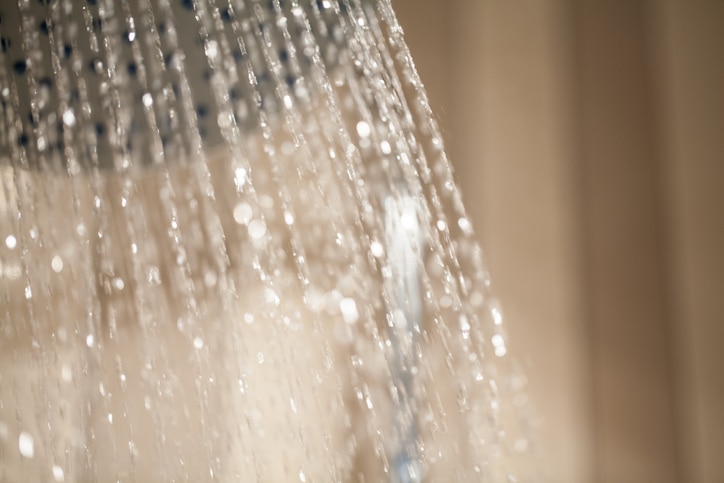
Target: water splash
(234,250)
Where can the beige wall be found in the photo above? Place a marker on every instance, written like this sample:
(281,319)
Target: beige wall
(690,66)
(587,138)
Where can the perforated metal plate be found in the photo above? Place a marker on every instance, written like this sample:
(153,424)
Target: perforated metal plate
(122,85)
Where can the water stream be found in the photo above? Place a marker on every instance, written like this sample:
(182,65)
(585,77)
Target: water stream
(231,249)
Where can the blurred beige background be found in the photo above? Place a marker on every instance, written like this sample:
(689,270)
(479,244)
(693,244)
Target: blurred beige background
(588,138)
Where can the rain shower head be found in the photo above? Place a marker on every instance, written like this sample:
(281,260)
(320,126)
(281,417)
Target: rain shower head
(125,85)
(232,225)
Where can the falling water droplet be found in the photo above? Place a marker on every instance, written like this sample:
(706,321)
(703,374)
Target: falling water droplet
(464,225)
(377,249)
(243,213)
(58,473)
(363,129)
(499,344)
(154,275)
(240,177)
(11,242)
(26,445)
(69,118)
(118,283)
(212,49)
(66,373)
(210,279)
(56,264)
(288,102)
(348,307)
(257,229)
(497,316)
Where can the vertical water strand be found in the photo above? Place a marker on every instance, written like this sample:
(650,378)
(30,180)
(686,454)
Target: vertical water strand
(211,222)
(94,191)
(163,62)
(316,141)
(17,138)
(272,111)
(136,206)
(107,272)
(30,66)
(145,93)
(408,153)
(148,389)
(234,160)
(264,37)
(316,132)
(65,386)
(265,258)
(106,107)
(275,142)
(403,242)
(35,436)
(279,206)
(402,274)
(11,273)
(81,297)
(181,277)
(383,96)
(8,134)
(471,283)
(402,277)
(202,26)
(452,289)
(129,227)
(155,200)
(486,335)
(402,296)
(11,270)
(402,293)
(344,158)
(367,359)
(242,35)
(114,92)
(272,150)
(213,226)
(441,173)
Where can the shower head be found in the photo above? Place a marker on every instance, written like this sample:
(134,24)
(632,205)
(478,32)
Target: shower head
(120,86)
(245,206)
